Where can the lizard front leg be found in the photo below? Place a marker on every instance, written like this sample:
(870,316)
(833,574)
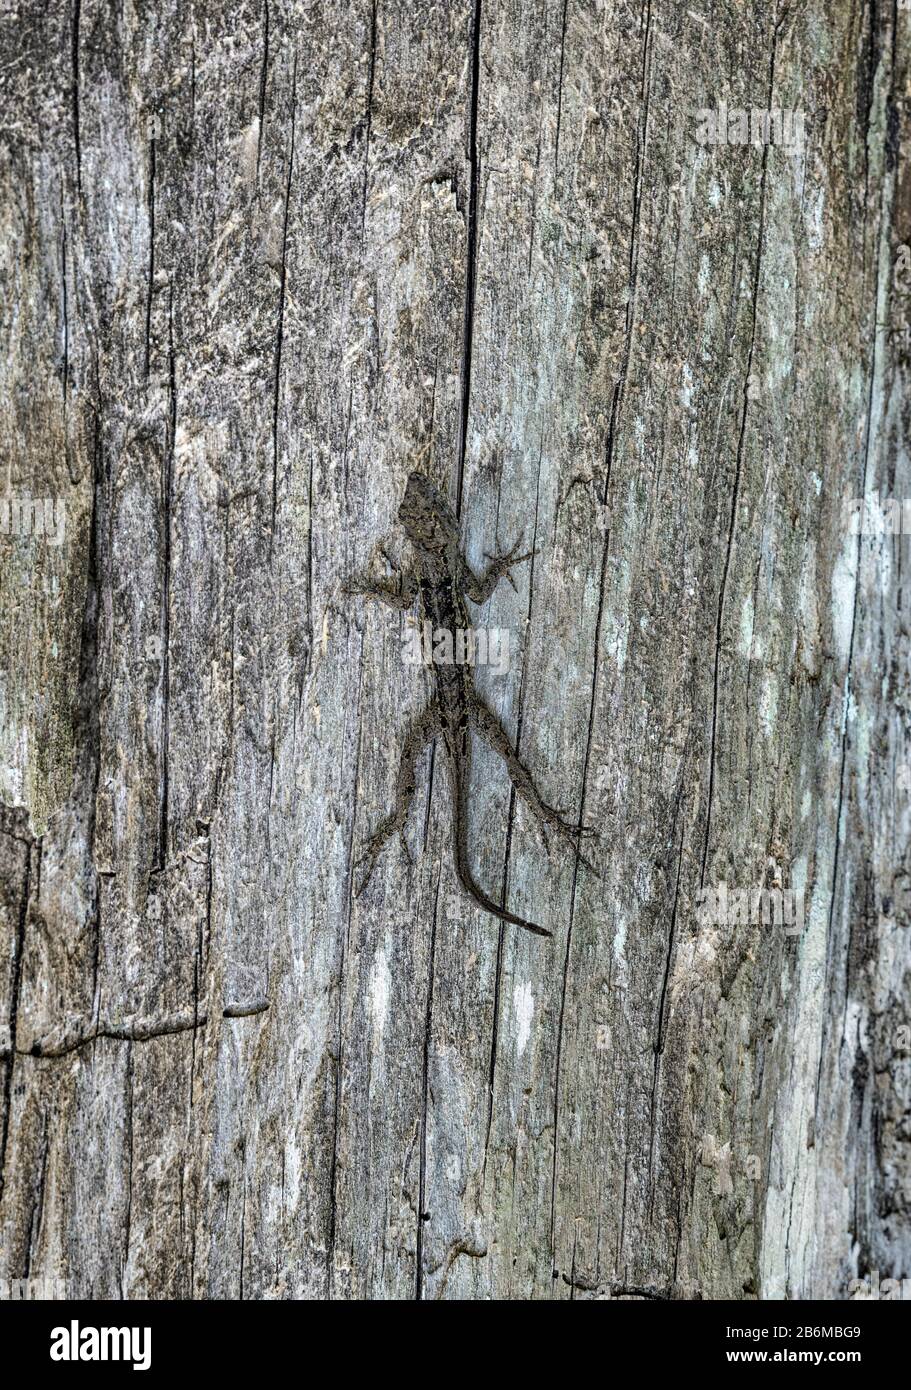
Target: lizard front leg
(424,728)
(491,730)
(480,587)
(400,592)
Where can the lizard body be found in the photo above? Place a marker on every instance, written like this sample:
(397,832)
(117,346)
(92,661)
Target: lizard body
(442,580)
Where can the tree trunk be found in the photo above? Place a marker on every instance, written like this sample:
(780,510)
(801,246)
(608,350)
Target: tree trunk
(259,262)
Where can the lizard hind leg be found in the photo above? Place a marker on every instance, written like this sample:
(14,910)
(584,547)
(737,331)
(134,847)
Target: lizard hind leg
(491,730)
(424,728)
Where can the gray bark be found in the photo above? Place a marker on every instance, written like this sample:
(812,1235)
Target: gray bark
(258,261)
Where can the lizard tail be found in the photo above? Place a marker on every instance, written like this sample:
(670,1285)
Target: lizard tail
(474,890)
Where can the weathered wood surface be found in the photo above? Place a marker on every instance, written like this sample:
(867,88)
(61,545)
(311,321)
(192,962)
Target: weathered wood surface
(257,262)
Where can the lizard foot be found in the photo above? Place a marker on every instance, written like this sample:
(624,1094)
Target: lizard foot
(372,852)
(555,819)
(374,846)
(504,563)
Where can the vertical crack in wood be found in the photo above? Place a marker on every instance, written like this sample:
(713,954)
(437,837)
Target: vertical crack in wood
(168,499)
(369,117)
(263,74)
(243,1226)
(589,740)
(77,6)
(641,142)
(279,335)
(128,1144)
(510,819)
(339,1023)
(19,949)
(471,252)
(882,244)
(66,318)
(560,88)
(738,469)
(422,1180)
(90,694)
(151,272)
(37,1213)
(310,560)
(662,1003)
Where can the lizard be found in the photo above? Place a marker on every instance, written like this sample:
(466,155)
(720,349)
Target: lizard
(443,580)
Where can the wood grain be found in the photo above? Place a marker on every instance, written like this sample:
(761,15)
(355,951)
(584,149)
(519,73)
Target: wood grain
(259,261)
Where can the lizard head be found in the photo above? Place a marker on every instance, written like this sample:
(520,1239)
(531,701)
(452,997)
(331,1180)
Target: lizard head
(426,516)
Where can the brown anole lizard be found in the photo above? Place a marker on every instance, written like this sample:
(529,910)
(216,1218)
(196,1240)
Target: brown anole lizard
(443,580)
